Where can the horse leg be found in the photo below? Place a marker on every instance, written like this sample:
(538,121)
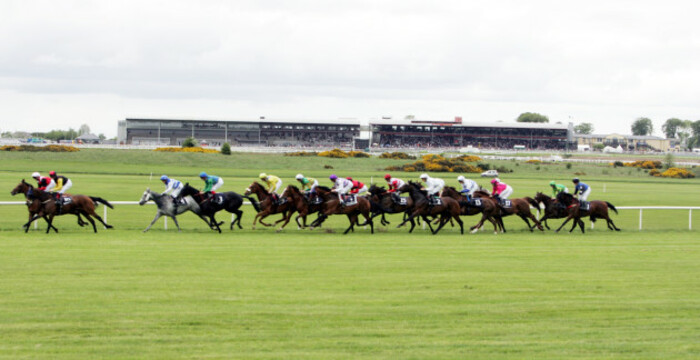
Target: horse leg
(102,221)
(32,219)
(286,218)
(476,227)
(530,227)
(425,220)
(406,220)
(610,222)
(92,222)
(352,224)
(48,228)
(158,215)
(443,221)
(459,221)
(176,224)
(576,222)
(212,217)
(565,221)
(239,215)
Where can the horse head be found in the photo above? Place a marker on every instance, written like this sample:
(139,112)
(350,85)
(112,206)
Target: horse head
(376,190)
(147,195)
(566,199)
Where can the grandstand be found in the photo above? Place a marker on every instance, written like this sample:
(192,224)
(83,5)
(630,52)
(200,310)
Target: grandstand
(259,132)
(388,133)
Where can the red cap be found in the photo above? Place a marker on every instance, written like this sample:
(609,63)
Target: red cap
(387,177)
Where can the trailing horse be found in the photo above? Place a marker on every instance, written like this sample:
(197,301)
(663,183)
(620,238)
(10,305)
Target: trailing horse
(209,206)
(79,204)
(269,206)
(331,205)
(447,209)
(596,210)
(167,207)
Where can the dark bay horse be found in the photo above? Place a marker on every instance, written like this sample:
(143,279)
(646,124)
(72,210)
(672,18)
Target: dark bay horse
(385,204)
(488,210)
(304,206)
(79,204)
(269,206)
(448,209)
(520,207)
(35,205)
(597,210)
(231,202)
(331,205)
(552,208)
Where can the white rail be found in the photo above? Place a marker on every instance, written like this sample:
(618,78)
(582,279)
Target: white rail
(640,208)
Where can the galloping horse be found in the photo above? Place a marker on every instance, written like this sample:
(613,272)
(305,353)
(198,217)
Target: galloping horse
(449,207)
(552,208)
(230,201)
(79,204)
(269,206)
(35,205)
(488,209)
(385,204)
(520,207)
(167,207)
(303,205)
(331,205)
(597,210)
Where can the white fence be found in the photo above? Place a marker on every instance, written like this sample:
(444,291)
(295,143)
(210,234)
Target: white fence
(640,208)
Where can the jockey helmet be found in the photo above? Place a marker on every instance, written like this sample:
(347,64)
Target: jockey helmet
(349,178)
(387,177)
(552,183)
(575,180)
(202,174)
(299,176)
(262,175)
(424,176)
(164,178)
(52,173)
(36,174)
(333,177)
(494,181)
(460,178)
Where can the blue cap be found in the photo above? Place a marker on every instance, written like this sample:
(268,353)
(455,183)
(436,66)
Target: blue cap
(164,178)
(202,174)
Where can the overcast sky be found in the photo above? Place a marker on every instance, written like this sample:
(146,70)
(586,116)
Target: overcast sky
(65,63)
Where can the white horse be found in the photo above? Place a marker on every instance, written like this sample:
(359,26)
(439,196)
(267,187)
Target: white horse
(167,207)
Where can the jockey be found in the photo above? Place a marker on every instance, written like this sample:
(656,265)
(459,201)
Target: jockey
(501,190)
(273,183)
(358,188)
(211,183)
(62,183)
(341,186)
(308,185)
(172,187)
(394,183)
(44,183)
(433,185)
(582,189)
(468,186)
(557,188)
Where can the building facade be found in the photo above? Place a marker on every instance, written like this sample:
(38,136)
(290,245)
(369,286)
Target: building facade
(627,142)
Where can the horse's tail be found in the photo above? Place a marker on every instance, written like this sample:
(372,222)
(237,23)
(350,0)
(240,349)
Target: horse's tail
(97,200)
(612,207)
(256,205)
(532,202)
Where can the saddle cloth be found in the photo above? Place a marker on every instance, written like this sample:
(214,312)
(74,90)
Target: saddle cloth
(181,201)
(506,203)
(218,199)
(476,202)
(435,201)
(65,200)
(316,200)
(584,205)
(350,199)
(402,201)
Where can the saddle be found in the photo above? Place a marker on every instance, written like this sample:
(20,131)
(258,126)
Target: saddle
(584,205)
(505,203)
(434,201)
(350,199)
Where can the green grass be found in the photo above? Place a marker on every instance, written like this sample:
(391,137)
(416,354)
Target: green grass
(301,294)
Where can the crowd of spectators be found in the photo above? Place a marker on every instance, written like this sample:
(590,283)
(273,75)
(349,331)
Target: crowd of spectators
(437,141)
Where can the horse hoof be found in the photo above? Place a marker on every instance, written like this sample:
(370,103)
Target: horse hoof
(474,231)
(495,232)
(278,230)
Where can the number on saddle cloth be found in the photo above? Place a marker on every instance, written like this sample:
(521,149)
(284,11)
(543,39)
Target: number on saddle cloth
(65,200)
(218,198)
(403,201)
(475,202)
(506,203)
(584,205)
(435,201)
(350,199)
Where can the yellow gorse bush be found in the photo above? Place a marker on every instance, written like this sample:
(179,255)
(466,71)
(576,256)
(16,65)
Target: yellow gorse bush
(187,150)
(50,148)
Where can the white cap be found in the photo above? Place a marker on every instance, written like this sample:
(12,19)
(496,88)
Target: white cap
(424,176)
(460,178)
(36,174)
(299,176)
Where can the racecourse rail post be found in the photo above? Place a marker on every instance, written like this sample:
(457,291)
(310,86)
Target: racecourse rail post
(105,217)
(640,218)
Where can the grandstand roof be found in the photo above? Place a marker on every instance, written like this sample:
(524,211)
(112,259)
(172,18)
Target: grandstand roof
(403,122)
(341,121)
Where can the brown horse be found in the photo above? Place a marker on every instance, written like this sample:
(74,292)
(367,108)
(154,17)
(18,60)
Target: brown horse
(269,206)
(35,205)
(552,208)
(597,210)
(386,203)
(448,209)
(331,205)
(488,209)
(304,206)
(520,207)
(79,204)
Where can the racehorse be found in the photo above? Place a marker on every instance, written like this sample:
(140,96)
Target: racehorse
(79,204)
(269,206)
(35,205)
(385,203)
(520,207)
(303,205)
(209,206)
(448,209)
(552,208)
(488,209)
(167,207)
(597,210)
(331,205)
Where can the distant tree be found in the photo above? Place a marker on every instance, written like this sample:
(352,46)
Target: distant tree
(584,128)
(410,117)
(20,135)
(695,127)
(532,118)
(598,146)
(642,126)
(6,135)
(670,127)
(226,149)
(189,142)
(102,136)
(84,129)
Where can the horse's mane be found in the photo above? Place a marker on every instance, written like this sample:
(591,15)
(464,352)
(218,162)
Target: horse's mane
(481,192)
(565,198)
(324,188)
(261,187)
(293,187)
